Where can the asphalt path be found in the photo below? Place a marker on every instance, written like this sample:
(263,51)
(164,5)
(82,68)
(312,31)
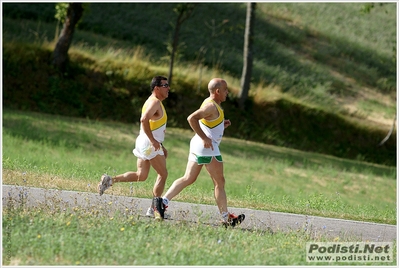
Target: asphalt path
(260,220)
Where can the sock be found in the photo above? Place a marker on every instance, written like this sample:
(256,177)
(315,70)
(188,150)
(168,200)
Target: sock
(225,216)
(165,201)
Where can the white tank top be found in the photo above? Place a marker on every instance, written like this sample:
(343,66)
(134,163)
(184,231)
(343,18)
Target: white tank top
(158,127)
(213,128)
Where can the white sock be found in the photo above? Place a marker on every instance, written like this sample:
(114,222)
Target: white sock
(225,216)
(165,201)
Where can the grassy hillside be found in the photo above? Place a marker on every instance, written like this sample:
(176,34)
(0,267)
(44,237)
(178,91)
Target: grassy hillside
(324,75)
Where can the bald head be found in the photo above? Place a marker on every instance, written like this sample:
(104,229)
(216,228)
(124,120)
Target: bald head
(216,83)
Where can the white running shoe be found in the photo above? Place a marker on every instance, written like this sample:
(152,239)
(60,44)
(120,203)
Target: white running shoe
(104,184)
(150,212)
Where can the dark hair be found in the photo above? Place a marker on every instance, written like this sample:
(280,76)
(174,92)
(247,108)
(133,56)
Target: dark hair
(156,81)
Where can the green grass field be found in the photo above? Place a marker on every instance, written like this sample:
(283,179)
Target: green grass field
(71,154)
(74,238)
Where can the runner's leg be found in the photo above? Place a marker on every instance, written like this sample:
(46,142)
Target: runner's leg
(215,170)
(191,175)
(143,168)
(159,164)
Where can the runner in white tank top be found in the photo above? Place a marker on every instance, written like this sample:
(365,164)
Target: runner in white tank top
(208,123)
(144,148)
(213,129)
(149,149)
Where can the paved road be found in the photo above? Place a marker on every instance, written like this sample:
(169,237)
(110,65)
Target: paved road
(255,219)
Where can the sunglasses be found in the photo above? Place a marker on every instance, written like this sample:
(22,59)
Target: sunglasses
(164,85)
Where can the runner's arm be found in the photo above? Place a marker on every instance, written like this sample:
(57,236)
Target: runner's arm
(193,119)
(152,108)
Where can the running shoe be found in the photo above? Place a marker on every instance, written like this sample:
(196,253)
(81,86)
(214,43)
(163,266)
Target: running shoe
(233,220)
(159,208)
(104,184)
(150,213)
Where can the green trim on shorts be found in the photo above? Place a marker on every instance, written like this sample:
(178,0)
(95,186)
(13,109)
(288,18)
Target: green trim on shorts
(207,159)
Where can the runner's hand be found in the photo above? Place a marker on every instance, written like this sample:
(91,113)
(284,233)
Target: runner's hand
(208,143)
(156,145)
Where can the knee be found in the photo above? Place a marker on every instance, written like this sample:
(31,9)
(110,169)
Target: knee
(163,176)
(188,180)
(142,176)
(220,182)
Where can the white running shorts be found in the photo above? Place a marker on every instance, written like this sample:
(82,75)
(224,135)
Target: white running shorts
(144,149)
(202,155)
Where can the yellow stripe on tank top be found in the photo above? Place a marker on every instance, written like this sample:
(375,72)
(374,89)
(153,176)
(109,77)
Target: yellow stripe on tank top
(155,124)
(217,121)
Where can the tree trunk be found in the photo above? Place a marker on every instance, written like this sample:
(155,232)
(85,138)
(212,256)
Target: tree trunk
(247,55)
(183,11)
(60,54)
(175,43)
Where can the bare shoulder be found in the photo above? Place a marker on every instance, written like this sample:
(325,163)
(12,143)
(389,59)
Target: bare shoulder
(209,106)
(154,102)
(209,110)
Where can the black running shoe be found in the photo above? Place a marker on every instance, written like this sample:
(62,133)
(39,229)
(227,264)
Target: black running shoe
(159,208)
(233,220)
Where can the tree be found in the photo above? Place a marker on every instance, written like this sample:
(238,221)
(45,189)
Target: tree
(183,11)
(247,55)
(60,55)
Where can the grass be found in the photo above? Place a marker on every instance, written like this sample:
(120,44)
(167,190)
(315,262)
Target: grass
(70,154)
(50,235)
(73,238)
